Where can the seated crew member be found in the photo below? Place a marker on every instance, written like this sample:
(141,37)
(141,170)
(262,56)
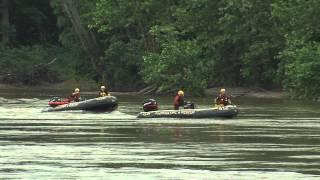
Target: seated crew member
(103,92)
(75,96)
(179,100)
(222,99)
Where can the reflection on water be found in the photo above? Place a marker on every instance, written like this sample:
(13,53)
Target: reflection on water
(269,139)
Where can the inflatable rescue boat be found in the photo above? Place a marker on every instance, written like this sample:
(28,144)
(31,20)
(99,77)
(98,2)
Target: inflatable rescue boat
(228,111)
(106,103)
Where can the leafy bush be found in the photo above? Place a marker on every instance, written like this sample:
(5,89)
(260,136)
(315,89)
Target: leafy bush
(177,66)
(122,64)
(302,71)
(29,64)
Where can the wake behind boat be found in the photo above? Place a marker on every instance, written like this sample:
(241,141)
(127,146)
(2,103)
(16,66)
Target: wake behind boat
(228,111)
(106,103)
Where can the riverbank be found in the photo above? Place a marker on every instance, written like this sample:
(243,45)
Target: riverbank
(66,85)
(248,92)
(88,87)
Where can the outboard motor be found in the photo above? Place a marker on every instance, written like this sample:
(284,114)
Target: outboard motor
(188,105)
(150,105)
(55,99)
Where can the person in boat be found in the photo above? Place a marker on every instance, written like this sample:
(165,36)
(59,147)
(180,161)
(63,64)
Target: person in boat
(222,99)
(103,92)
(75,96)
(179,100)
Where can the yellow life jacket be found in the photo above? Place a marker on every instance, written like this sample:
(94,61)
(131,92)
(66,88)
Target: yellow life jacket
(102,94)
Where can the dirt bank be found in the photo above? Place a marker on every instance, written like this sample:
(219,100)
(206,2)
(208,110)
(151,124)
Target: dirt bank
(66,85)
(247,92)
(88,87)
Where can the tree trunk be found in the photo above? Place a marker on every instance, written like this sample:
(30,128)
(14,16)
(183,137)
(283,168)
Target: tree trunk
(4,24)
(86,37)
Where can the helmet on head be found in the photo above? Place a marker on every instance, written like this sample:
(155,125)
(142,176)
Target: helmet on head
(222,90)
(180,93)
(76,90)
(102,87)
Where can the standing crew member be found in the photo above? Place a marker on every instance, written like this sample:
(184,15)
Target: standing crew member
(103,92)
(179,100)
(75,96)
(222,99)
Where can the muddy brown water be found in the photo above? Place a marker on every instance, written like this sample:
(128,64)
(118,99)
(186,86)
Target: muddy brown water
(270,138)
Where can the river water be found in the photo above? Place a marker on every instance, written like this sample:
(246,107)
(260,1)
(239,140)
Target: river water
(270,138)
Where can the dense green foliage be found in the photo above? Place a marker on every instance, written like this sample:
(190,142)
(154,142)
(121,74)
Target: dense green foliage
(178,66)
(300,59)
(124,27)
(35,64)
(33,44)
(189,44)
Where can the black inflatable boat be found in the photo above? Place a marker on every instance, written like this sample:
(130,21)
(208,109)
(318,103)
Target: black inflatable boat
(107,103)
(225,112)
